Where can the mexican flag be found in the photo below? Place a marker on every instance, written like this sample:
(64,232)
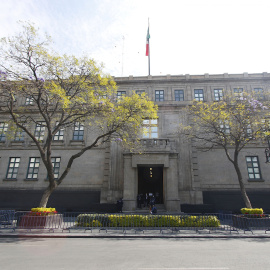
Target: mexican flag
(147,42)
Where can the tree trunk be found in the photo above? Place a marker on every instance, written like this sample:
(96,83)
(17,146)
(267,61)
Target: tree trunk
(242,186)
(46,195)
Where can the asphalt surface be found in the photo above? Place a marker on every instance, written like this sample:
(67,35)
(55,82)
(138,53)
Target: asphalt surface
(134,254)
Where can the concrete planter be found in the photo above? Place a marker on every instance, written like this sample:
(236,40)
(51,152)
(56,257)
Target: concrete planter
(245,223)
(41,222)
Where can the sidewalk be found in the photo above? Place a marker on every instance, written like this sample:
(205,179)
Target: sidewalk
(130,233)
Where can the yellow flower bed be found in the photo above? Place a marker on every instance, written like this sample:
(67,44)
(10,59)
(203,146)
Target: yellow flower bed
(252,211)
(42,211)
(105,220)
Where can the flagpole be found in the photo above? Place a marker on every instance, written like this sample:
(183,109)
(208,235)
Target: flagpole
(149,49)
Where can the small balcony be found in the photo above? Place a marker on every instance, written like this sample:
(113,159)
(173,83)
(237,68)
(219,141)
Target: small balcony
(158,145)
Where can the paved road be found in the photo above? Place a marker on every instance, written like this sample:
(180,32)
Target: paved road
(134,254)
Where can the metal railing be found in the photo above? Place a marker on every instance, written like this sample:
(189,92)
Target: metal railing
(122,222)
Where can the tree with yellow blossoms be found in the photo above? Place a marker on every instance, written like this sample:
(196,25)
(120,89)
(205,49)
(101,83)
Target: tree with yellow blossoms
(61,92)
(231,124)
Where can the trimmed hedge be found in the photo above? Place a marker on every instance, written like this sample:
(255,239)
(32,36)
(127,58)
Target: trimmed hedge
(106,220)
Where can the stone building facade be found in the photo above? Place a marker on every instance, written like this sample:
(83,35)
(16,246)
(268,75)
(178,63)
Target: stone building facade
(181,176)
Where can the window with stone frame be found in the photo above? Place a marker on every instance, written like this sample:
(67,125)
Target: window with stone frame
(253,168)
(259,95)
(238,93)
(13,167)
(179,95)
(150,128)
(140,92)
(3,131)
(78,132)
(19,135)
(159,95)
(198,95)
(29,100)
(56,166)
(40,131)
(218,94)
(59,135)
(33,168)
(224,127)
(121,94)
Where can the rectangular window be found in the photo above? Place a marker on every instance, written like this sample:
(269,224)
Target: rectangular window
(13,167)
(179,95)
(29,100)
(238,93)
(120,94)
(56,166)
(218,94)
(249,131)
(40,131)
(259,93)
(140,92)
(33,167)
(78,131)
(19,135)
(150,128)
(59,135)
(198,94)
(3,130)
(159,95)
(253,167)
(224,127)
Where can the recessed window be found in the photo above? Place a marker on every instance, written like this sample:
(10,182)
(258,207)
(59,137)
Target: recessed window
(238,93)
(224,127)
(218,94)
(33,168)
(150,128)
(253,167)
(198,95)
(259,93)
(140,92)
(78,131)
(179,95)
(19,135)
(29,100)
(3,130)
(159,95)
(121,94)
(40,131)
(59,135)
(249,131)
(56,166)
(13,167)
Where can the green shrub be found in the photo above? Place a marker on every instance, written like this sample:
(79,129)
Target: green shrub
(88,220)
(94,220)
(252,211)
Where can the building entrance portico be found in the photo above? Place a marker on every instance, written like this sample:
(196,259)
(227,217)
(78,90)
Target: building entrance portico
(164,181)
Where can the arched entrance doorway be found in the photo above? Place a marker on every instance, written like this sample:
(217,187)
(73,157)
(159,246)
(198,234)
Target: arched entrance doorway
(150,181)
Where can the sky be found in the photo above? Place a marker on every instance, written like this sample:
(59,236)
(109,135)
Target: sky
(186,36)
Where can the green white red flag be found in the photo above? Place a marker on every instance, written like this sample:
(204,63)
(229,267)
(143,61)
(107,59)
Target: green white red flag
(147,42)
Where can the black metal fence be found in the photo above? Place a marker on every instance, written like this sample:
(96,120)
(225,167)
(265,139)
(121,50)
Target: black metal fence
(71,221)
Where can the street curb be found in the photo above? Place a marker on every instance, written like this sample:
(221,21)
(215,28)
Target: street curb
(137,236)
